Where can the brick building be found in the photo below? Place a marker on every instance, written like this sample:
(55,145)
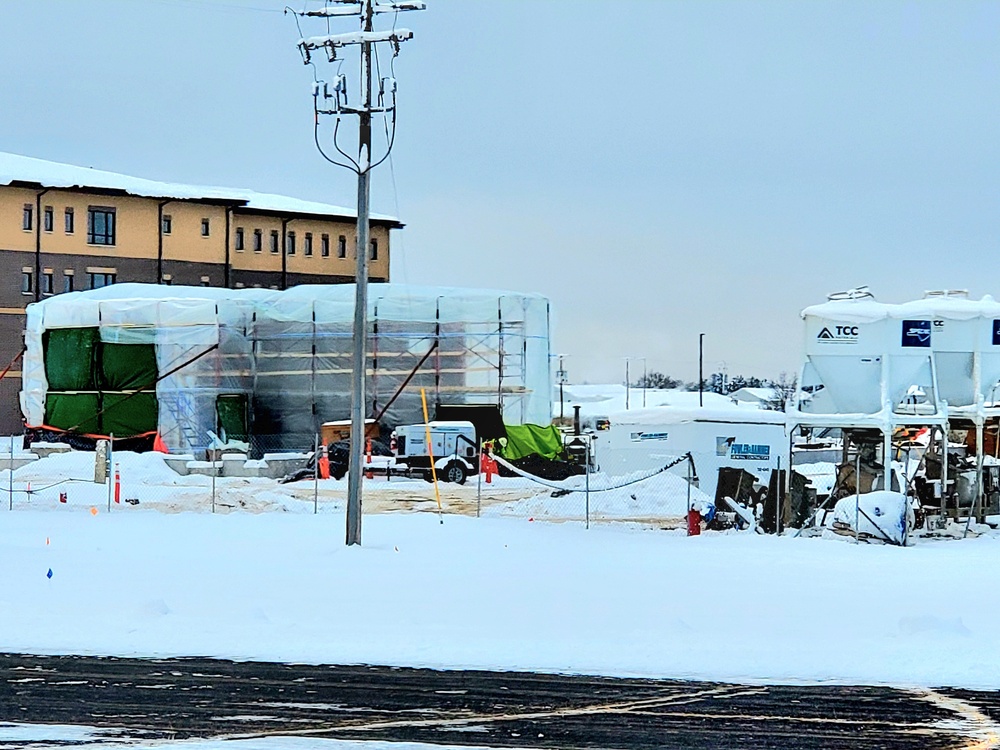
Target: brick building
(65,228)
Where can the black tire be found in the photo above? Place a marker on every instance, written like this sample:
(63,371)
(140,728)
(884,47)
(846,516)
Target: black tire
(454,472)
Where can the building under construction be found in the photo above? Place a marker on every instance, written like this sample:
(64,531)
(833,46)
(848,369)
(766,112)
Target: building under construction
(269,367)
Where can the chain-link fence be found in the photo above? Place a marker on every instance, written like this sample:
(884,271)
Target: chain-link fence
(54,477)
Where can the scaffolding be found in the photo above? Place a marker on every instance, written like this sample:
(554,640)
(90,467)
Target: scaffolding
(286,356)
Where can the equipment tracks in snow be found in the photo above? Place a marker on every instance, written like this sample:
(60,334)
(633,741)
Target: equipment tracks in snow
(162,699)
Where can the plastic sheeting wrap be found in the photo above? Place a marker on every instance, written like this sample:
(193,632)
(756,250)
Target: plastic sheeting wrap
(289,354)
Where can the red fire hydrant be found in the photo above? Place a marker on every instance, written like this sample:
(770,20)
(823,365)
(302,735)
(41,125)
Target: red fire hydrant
(694,522)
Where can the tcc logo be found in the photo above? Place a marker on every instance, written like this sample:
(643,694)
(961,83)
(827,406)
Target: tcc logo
(839,334)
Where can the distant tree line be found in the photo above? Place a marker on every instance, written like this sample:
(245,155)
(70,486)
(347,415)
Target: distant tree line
(783,388)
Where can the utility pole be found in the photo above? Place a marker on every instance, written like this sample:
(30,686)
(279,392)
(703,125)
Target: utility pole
(627,384)
(562,380)
(701,369)
(337,104)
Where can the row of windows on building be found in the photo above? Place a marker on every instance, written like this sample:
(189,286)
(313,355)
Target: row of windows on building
(96,280)
(100,222)
(257,239)
(101,231)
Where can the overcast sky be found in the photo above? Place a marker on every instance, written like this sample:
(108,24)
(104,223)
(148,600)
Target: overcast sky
(657,169)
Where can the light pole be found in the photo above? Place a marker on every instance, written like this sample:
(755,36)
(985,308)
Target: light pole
(701,369)
(561,376)
(627,384)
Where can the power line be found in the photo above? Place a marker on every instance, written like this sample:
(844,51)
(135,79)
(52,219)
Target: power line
(217,5)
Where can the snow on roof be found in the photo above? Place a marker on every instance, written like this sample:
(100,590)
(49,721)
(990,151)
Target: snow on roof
(129,292)
(666,414)
(25,169)
(666,406)
(932,306)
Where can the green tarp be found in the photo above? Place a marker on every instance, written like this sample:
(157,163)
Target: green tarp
(532,439)
(76,411)
(77,360)
(232,410)
(126,414)
(69,358)
(127,367)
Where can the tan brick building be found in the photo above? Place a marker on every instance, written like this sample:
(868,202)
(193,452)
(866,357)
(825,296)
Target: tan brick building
(65,228)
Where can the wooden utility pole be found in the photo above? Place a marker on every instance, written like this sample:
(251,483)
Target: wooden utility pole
(337,104)
(360,352)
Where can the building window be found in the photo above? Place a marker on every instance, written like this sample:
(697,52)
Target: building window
(47,286)
(48,219)
(342,247)
(258,240)
(324,245)
(68,216)
(100,226)
(27,281)
(374,254)
(167,224)
(290,246)
(101,279)
(239,239)
(27,220)
(274,240)
(206,227)
(168,279)
(307,245)
(68,281)
(205,281)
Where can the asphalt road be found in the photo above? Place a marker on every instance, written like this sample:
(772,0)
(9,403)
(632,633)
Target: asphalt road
(207,698)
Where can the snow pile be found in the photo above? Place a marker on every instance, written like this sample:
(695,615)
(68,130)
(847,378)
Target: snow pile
(882,515)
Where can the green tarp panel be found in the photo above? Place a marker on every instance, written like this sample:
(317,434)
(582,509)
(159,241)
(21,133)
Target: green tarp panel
(127,366)
(72,410)
(69,358)
(532,439)
(232,410)
(126,415)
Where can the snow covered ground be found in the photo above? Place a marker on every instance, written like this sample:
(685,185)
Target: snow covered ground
(499,593)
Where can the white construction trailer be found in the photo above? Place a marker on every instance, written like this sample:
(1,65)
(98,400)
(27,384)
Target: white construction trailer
(716,436)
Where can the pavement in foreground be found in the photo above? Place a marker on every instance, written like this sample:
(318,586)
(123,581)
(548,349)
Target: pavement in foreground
(175,699)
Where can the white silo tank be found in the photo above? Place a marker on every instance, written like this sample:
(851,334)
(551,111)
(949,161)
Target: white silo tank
(845,345)
(955,323)
(988,340)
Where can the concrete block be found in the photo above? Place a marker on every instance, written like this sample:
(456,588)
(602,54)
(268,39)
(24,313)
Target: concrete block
(179,463)
(44,450)
(204,468)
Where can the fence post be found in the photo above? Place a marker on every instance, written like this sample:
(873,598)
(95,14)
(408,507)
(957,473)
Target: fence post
(779,499)
(212,454)
(587,485)
(479,482)
(111,477)
(857,496)
(688,514)
(316,475)
(10,489)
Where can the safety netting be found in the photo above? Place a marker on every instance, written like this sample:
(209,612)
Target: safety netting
(270,367)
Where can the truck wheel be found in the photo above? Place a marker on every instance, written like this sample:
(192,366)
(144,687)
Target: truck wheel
(454,472)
